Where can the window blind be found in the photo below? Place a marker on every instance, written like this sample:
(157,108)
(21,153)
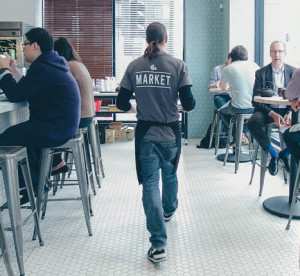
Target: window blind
(89,27)
(131,20)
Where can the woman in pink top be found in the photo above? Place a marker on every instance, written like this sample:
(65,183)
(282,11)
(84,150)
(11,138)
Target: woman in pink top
(64,48)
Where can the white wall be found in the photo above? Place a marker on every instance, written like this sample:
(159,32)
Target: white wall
(28,11)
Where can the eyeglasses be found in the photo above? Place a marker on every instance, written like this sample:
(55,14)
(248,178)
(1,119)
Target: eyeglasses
(24,44)
(280,52)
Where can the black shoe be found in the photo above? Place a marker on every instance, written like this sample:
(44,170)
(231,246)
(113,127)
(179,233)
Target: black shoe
(156,256)
(168,217)
(273,166)
(63,169)
(285,161)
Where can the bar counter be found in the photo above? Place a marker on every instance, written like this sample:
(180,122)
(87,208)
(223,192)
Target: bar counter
(10,114)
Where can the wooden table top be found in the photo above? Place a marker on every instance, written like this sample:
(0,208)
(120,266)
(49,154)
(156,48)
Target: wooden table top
(272,100)
(218,90)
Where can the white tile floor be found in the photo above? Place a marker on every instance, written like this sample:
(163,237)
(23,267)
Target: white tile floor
(220,227)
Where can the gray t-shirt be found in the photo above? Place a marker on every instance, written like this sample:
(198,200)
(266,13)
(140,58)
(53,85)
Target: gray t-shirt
(156,83)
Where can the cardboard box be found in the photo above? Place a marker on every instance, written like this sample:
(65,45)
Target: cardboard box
(109,135)
(116,125)
(118,135)
(128,133)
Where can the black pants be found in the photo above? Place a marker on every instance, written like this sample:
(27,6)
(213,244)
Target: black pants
(23,135)
(256,125)
(292,140)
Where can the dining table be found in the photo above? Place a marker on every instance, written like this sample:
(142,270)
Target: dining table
(280,205)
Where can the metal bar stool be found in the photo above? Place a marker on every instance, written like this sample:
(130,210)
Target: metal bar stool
(264,158)
(4,250)
(240,120)
(295,197)
(10,158)
(78,149)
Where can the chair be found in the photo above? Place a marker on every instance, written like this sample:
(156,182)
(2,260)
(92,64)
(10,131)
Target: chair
(216,124)
(78,149)
(4,251)
(240,120)
(10,158)
(264,158)
(69,158)
(295,197)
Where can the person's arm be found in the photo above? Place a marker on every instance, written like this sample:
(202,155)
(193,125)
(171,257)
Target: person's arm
(186,98)
(258,84)
(123,99)
(214,78)
(292,91)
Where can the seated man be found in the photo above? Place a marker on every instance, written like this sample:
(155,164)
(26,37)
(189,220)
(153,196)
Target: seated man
(275,75)
(240,76)
(219,98)
(52,94)
(292,136)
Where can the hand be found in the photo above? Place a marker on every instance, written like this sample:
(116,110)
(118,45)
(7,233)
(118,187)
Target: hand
(4,61)
(296,104)
(278,120)
(133,108)
(215,85)
(288,119)
(13,68)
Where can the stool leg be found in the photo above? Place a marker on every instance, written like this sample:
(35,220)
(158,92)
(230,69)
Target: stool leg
(217,140)
(295,194)
(28,184)
(238,140)
(89,163)
(256,146)
(78,155)
(212,129)
(228,140)
(95,146)
(44,172)
(282,147)
(11,182)
(263,168)
(4,250)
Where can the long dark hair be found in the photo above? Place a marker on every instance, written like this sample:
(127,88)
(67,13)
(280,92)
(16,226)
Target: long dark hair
(64,48)
(155,35)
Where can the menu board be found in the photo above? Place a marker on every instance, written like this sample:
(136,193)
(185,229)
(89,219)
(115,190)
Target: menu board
(8,46)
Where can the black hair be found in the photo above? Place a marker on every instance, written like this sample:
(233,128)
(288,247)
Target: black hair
(64,48)
(42,37)
(239,53)
(155,34)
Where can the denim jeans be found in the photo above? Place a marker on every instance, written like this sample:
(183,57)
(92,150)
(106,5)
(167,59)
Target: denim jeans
(154,156)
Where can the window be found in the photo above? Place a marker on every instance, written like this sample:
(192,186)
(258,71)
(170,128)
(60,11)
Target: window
(131,20)
(281,19)
(89,27)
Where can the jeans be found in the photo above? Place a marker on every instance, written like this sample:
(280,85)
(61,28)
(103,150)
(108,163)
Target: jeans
(154,156)
(220,100)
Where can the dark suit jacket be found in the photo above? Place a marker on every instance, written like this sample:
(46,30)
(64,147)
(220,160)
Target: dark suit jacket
(264,79)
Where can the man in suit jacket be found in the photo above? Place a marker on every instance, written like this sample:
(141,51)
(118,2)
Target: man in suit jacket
(275,75)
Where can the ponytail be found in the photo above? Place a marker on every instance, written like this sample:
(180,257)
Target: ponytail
(155,35)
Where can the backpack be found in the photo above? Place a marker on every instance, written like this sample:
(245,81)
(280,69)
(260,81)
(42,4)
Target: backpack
(204,142)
